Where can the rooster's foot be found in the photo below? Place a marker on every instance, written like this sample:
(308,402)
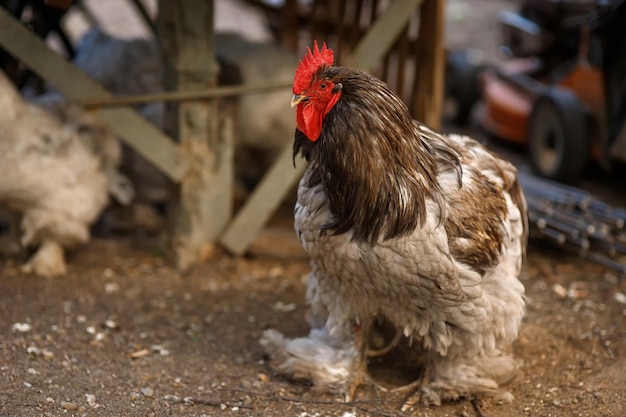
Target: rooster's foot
(424,396)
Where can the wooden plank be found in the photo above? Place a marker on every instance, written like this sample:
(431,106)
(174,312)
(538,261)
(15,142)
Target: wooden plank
(382,35)
(217,92)
(205,204)
(263,202)
(146,139)
(430,64)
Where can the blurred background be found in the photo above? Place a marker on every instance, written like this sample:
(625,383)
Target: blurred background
(206,85)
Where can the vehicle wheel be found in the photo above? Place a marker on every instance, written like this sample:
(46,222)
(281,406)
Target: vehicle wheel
(558,136)
(463,85)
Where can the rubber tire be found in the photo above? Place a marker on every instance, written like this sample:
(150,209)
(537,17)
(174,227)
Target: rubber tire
(558,136)
(463,85)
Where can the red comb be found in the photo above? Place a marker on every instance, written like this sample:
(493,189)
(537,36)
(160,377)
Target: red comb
(310,64)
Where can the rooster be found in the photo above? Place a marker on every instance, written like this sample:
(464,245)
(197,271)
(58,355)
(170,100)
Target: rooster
(404,226)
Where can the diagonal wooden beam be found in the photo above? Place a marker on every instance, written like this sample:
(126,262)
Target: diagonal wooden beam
(263,202)
(382,34)
(141,135)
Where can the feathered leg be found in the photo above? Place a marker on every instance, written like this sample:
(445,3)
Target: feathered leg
(450,378)
(319,358)
(48,261)
(336,363)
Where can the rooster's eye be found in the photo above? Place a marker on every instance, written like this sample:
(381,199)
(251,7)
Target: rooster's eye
(323,86)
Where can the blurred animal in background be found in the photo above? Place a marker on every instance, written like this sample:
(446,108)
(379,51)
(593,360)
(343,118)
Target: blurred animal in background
(57,170)
(408,230)
(262,122)
(130,67)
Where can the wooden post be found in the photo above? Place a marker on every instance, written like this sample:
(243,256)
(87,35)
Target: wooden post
(205,203)
(430,64)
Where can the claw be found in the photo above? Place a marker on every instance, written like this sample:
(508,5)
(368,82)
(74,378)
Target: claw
(373,353)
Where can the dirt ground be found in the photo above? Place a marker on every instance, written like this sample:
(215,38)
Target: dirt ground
(124,334)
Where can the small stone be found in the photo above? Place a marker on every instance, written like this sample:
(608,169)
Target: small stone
(33,350)
(69,406)
(50,400)
(32,371)
(172,398)
(160,349)
(578,289)
(139,353)
(28,384)
(147,392)
(559,290)
(284,308)
(275,272)
(111,324)
(47,354)
(91,399)
(81,318)
(111,287)
(134,396)
(620,297)
(21,327)
(90,329)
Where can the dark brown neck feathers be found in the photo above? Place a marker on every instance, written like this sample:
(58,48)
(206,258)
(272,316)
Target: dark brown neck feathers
(376,169)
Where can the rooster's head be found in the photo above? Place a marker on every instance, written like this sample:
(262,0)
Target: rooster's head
(314,94)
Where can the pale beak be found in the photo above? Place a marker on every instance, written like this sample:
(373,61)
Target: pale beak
(297,99)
